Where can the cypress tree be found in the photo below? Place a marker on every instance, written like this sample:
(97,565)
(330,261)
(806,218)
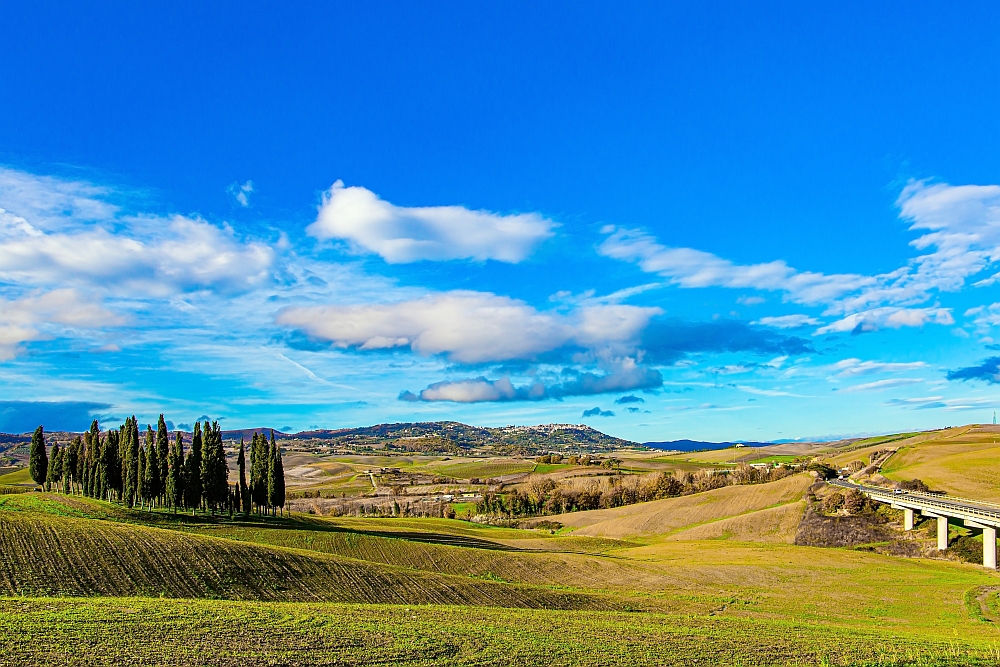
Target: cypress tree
(244,494)
(162,454)
(153,459)
(55,467)
(220,469)
(131,461)
(192,481)
(68,465)
(272,488)
(208,490)
(258,472)
(279,480)
(38,459)
(71,463)
(141,488)
(175,480)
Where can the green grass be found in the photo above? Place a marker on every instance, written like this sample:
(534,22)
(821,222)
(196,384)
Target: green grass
(777,458)
(484,469)
(546,468)
(50,631)
(21,476)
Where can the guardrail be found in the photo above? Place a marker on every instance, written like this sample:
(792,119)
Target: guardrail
(923,499)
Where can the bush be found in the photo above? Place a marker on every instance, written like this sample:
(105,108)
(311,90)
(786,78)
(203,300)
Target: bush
(856,502)
(833,502)
(968,549)
(913,485)
(822,470)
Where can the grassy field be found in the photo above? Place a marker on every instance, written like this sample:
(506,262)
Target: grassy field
(144,631)
(17,477)
(705,579)
(484,469)
(664,516)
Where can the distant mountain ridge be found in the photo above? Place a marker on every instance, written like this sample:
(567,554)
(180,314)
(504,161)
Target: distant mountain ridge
(696,445)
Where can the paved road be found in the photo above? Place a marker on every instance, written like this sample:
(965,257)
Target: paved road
(945,504)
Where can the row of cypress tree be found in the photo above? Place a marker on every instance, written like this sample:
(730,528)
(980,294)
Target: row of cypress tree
(121,466)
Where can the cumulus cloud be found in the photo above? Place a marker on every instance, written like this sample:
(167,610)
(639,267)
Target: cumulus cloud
(597,412)
(621,375)
(787,321)
(624,400)
(469,327)
(38,316)
(25,416)
(55,232)
(891,317)
(409,234)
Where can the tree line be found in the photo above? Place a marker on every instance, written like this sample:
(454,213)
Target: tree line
(147,471)
(543,497)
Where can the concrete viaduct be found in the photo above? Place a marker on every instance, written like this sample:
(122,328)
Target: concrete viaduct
(972,513)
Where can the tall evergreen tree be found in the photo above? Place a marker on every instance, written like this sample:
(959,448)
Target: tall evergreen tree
(272,469)
(162,454)
(131,461)
(38,458)
(175,474)
(207,467)
(142,487)
(258,471)
(153,459)
(244,491)
(192,479)
(279,480)
(70,464)
(54,468)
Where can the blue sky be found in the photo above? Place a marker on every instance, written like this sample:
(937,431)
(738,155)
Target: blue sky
(707,221)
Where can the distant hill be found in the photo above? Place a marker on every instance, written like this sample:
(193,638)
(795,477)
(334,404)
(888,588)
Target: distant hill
(456,437)
(698,445)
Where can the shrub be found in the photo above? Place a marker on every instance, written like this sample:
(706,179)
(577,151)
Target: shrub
(856,502)
(968,549)
(833,502)
(913,485)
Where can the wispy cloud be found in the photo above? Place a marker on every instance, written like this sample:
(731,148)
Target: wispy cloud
(408,234)
(878,385)
(787,321)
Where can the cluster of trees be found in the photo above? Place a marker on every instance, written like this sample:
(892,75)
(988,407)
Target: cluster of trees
(122,466)
(580,460)
(853,502)
(544,497)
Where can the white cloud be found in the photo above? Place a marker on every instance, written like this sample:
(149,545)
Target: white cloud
(620,375)
(985,316)
(242,193)
(894,318)
(60,233)
(409,234)
(881,384)
(751,300)
(28,319)
(855,367)
(468,326)
(688,267)
(787,321)
(959,226)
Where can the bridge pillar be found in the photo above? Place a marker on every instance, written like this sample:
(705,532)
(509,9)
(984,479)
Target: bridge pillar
(990,547)
(907,519)
(942,533)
